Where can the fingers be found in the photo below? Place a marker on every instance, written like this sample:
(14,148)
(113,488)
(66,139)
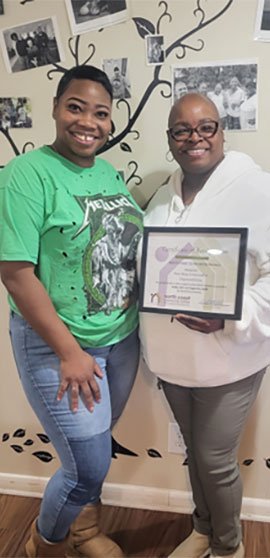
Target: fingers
(192,319)
(74,394)
(79,374)
(91,392)
(193,322)
(199,324)
(63,387)
(74,398)
(97,370)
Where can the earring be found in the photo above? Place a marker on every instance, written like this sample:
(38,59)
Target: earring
(167,156)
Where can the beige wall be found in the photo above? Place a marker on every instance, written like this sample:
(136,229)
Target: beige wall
(144,424)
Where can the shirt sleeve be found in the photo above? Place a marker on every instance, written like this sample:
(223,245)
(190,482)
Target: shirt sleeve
(255,323)
(21,214)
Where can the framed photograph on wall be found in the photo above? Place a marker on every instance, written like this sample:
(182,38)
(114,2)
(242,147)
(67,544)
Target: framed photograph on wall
(231,85)
(117,72)
(30,45)
(262,24)
(15,112)
(155,50)
(1,7)
(86,15)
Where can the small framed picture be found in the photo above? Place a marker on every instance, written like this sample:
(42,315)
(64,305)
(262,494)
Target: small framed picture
(1,7)
(86,15)
(15,112)
(155,50)
(30,45)
(262,25)
(117,72)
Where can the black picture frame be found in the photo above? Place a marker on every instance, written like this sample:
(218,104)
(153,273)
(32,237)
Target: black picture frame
(185,291)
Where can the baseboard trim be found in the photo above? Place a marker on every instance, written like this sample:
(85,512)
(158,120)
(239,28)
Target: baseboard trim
(127,495)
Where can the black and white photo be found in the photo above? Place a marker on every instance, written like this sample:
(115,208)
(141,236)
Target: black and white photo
(262,24)
(117,72)
(15,112)
(85,15)
(231,86)
(31,45)
(155,49)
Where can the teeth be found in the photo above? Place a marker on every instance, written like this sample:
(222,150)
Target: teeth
(194,152)
(84,137)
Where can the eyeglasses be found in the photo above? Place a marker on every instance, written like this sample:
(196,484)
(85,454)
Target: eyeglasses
(205,130)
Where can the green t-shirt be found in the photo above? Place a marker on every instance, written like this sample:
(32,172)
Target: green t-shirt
(80,227)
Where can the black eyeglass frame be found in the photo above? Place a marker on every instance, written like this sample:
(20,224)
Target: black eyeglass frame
(190,131)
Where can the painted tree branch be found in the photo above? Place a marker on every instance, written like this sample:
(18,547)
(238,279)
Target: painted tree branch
(144,28)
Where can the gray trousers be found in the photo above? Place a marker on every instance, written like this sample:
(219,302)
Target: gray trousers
(212,421)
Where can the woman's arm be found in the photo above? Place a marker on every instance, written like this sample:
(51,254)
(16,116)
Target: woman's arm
(32,300)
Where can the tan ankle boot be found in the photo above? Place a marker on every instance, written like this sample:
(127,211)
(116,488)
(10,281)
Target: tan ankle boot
(195,546)
(239,553)
(87,541)
(36,547)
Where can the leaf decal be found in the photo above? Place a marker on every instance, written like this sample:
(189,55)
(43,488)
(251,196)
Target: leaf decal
(185,462)
(247,462)
(153,453)
(5,437)
(125,147)
(28,442)
(18,449)
(44,438)
(144,26)
(117,448)
(267,462)
(43,456)
(20,433)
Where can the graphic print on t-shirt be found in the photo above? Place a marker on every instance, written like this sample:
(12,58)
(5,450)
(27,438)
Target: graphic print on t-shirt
(109,261)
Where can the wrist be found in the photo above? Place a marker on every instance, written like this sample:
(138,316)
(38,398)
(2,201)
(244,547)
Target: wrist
(70,350)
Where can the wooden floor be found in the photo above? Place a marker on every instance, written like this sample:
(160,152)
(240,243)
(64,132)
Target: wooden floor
(139,532)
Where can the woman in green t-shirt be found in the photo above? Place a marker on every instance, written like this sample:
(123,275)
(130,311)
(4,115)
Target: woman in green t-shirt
(68,238)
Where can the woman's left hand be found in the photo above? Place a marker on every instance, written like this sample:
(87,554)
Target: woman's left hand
(203,325)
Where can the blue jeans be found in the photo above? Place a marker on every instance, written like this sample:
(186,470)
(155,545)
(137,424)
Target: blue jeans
(82,439)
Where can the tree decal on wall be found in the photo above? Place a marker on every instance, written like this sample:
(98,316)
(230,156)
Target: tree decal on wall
(144,28)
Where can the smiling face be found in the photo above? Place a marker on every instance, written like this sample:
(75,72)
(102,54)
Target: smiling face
(196,155)
(234,83)
(180,89)
(83,121)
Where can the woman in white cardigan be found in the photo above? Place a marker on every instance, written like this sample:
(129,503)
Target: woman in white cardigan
(211,369)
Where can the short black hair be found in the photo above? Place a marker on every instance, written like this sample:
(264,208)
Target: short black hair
(83,72)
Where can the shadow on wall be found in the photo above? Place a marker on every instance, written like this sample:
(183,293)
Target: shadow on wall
(151,182)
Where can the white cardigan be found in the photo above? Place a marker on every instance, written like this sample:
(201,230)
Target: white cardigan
(237,194)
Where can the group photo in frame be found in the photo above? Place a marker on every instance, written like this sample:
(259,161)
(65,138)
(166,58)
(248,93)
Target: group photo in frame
(15,112)
(262,24)
(231,85)
(86,15)
(31,45)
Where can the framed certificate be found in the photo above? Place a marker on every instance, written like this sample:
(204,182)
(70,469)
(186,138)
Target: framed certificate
(193,270)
